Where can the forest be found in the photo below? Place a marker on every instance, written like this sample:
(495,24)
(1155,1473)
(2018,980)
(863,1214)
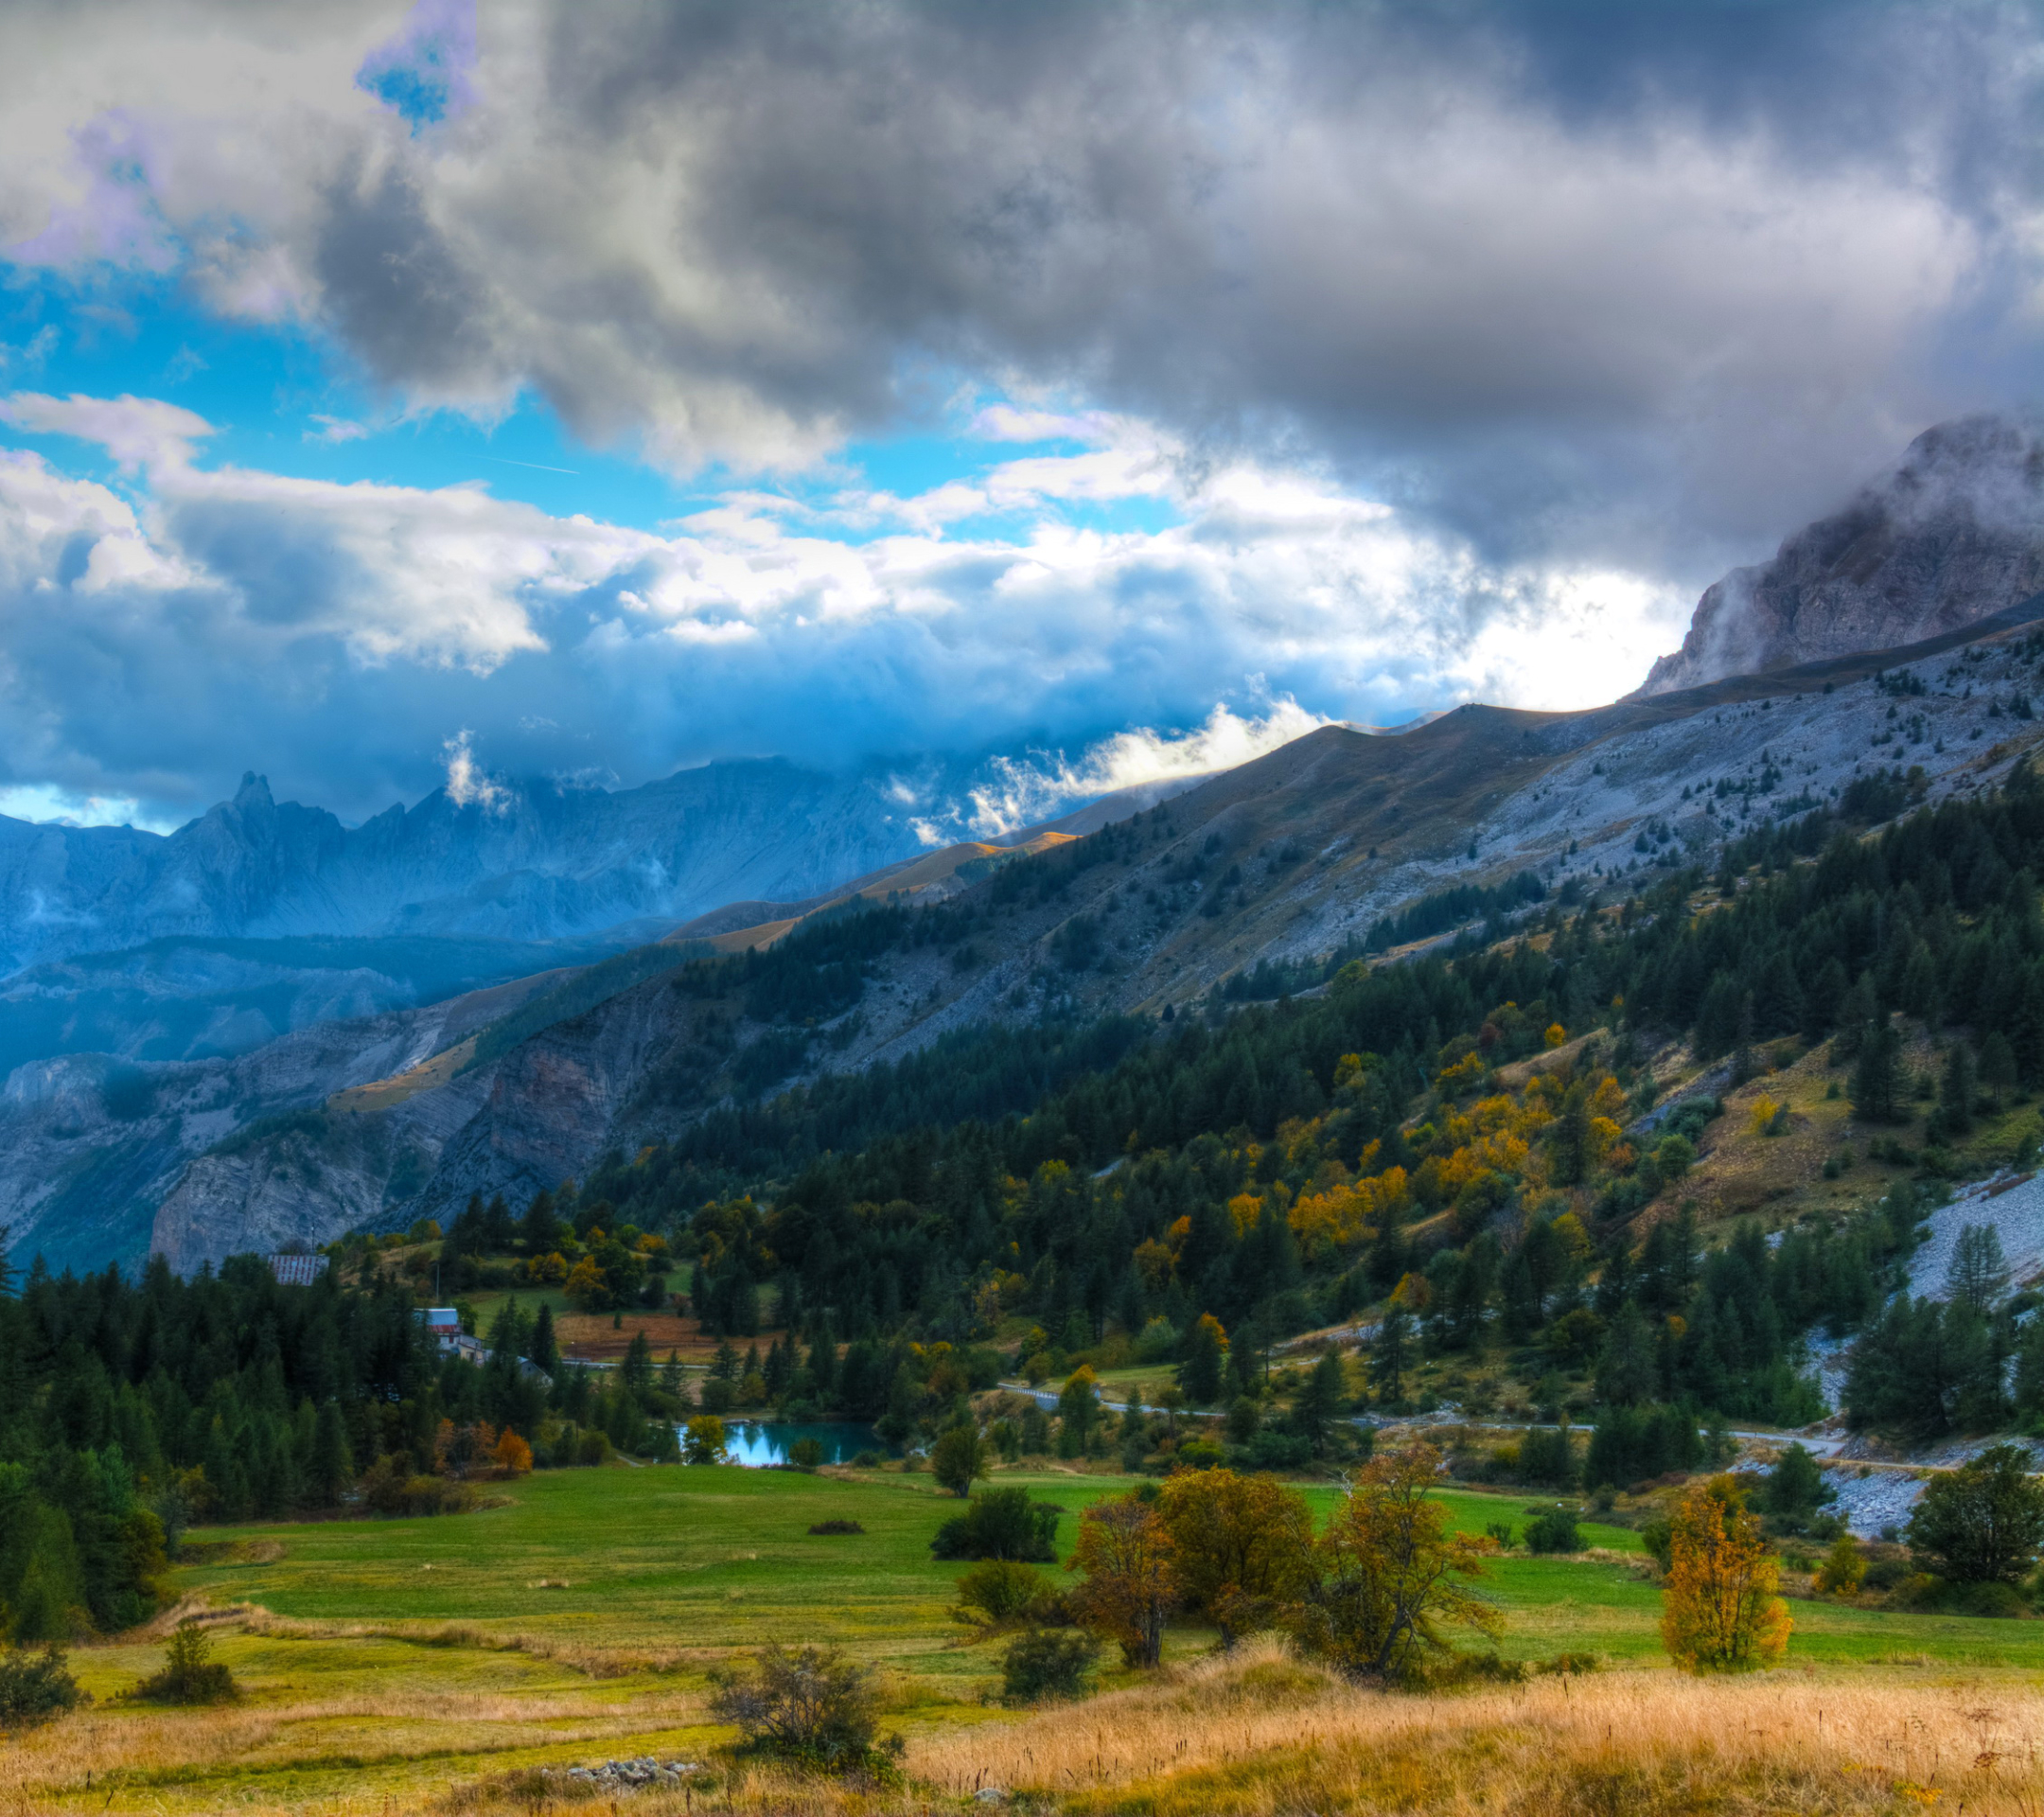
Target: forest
(1442,1144)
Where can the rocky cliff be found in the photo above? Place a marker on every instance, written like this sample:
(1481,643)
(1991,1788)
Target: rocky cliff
(534,862)
(1953,535)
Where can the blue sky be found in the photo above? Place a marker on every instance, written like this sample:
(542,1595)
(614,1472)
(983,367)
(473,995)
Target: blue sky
(389,392)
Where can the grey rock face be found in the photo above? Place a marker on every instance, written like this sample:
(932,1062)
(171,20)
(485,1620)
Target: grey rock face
(533,863)
(1954,535)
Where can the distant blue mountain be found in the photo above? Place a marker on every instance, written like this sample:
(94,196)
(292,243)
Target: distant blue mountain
(534,863)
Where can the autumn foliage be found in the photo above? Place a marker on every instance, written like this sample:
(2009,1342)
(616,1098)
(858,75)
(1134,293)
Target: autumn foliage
(1131,1585)
(1390,1578)
(1721,1610)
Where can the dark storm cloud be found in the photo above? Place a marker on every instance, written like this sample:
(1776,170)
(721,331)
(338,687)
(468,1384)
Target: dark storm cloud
(1600,297)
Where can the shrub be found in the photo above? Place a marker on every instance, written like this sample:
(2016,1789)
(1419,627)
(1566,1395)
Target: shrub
(513,1455)
(1981,1523)
(1001,1593)
(810,1707)
(190,1674)
(1720,1611)
(1500,1531)
(1843,1569)
(1001,1523)
(704,1443)
(806,1454)
(36,1688)
(957,1458)
(1046,1663)
(837,1526)
(1553,1531)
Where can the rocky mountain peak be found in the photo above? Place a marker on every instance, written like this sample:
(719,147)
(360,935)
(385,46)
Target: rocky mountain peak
(1953,534)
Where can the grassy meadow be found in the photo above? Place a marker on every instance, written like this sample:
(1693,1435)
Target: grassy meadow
(412,1664)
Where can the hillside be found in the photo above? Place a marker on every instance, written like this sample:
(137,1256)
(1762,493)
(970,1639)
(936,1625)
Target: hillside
(1258,880)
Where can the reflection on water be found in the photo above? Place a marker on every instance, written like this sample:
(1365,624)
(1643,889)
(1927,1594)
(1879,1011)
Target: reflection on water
(758,1444)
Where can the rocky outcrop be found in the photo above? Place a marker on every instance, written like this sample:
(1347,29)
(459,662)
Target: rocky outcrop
(530,863)
(1954,535)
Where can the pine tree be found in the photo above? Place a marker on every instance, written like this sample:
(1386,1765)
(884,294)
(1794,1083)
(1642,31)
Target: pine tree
(1978,1275)
(1200,1368)
(1877,1077)
(1957,1091)
(1389,1354)
(543,1348)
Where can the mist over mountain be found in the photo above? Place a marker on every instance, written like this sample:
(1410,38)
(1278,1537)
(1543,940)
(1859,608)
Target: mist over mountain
(495,861)
(1953,534)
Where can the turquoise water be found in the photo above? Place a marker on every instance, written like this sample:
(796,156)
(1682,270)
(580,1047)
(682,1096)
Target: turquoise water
(758,1444)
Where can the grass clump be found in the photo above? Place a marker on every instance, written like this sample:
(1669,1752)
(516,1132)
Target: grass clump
(190,1674)
(36,1688)
(810,1707)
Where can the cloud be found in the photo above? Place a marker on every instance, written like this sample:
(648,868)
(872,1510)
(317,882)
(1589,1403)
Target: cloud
(1580,286)
(363,643)
(1025,790)
(468,783)
(138,431)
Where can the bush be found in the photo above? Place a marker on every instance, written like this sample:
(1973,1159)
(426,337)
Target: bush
(1553,1531)
(959,1456)
(811,1707)
(806,1454)
(837,1526)
(1002,1524)
(1001,1593)
(191,1675)
(1981,1523)
(1045,1664)
(36,1688)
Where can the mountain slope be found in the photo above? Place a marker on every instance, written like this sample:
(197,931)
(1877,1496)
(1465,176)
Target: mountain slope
(1953,535)
(1289,862)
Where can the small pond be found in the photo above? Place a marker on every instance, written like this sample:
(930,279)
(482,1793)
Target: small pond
(758,1443)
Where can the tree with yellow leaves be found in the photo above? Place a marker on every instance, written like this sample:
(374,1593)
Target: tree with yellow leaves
(1131,1584)
(1389,1576)
(1720,1611)
(1241,1546)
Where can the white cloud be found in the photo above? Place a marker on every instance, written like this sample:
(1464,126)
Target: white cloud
(1028,789)
(138,431)
(331,634)
(468,783)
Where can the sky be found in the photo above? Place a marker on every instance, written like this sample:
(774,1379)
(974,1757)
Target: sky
(393,395)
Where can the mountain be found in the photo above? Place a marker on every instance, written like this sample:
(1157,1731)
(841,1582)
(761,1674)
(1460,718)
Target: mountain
(529,863)
(1954,534)
(1259,880)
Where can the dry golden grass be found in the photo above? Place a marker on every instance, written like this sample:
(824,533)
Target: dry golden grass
(1262,1733)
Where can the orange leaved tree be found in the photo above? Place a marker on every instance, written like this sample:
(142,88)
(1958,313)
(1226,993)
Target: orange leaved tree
(1389,1576)
(1127,1556)
(1720,1611)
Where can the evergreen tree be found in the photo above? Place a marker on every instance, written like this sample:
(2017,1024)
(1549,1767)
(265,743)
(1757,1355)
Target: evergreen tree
(1388,1353)
(1979,1274)
(1200,1367)
(1957,1090)
(1877,1077)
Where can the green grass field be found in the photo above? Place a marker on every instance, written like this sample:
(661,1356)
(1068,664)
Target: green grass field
(577,1620)
(709,1559)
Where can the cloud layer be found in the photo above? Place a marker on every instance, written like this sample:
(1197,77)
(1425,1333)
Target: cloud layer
(1579,283)
(362,642)
(1444,351)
